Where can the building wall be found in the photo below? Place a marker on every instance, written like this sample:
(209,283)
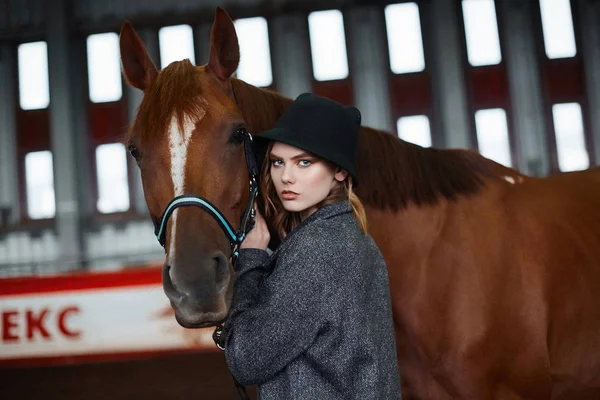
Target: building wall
(448,92)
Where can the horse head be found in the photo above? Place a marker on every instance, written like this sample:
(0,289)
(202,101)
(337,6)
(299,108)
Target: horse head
(186,141)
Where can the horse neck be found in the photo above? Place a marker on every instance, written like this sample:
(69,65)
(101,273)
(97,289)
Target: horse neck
(393,173)
(260,108)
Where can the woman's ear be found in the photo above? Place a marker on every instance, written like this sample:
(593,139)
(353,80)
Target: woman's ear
(340,175)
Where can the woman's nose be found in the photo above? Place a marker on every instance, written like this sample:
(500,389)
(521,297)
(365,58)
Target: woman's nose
(287,175)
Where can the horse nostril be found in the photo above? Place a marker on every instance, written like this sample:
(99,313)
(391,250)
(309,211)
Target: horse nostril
(171,278)
(169,287)
(221,267)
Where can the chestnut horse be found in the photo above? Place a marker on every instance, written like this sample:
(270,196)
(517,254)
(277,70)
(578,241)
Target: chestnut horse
(494,275)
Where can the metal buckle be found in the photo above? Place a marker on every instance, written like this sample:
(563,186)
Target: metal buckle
(235,252)
(251,222)
(219,337)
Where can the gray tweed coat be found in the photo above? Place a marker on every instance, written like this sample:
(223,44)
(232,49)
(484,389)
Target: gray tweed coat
(313,320)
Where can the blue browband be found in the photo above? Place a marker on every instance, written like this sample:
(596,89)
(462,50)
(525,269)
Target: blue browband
(247,222)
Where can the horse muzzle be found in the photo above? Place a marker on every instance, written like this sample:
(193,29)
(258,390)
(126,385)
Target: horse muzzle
(198,305)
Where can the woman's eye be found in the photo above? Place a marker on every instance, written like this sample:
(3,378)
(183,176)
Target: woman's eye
(276,163)
(134,151)
(304,163)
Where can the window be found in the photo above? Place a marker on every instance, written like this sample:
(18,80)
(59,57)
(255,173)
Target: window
(557,25)
(415,129)
(570,141)
(492,135)
(481,32)
(39,182)
(328,45)
(255,56)
(113,188)
(34,89)
(405,43)
(176,43)
(104,67)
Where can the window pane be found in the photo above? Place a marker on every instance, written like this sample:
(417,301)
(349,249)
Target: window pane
(39,181)
(415,129)
(570,141)
(255,56)
(328,45)
(557,25)
(104,68)
(492,135)
(113,188)
(481,31)
(176,43)
(34,90)
(404,38)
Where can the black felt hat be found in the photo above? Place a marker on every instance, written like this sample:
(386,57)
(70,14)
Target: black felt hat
(320,126)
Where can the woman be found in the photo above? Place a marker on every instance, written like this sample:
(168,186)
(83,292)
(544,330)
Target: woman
(312,320)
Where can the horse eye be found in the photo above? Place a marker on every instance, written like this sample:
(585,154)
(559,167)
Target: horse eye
(239,136)
(134,151)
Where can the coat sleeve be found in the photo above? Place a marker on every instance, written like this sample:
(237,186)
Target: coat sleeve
(249,272)
(267,331)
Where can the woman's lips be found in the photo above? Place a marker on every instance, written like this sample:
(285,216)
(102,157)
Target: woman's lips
(289,195)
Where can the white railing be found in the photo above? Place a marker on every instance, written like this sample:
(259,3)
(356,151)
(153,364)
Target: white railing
(110,248)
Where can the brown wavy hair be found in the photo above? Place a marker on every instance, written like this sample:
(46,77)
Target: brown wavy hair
(284,221)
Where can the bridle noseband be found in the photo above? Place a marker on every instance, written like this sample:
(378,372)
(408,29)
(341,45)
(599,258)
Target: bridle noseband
(248,219)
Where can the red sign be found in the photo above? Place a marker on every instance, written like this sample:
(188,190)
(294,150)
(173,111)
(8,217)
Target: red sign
(90,316)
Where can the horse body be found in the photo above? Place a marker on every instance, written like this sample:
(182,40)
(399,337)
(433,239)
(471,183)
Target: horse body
(494,276)
(497,295)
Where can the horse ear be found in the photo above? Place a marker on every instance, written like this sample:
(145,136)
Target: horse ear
(224,55)
(138,69)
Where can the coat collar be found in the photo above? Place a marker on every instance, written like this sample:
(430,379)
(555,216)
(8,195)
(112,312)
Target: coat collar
(329,211)
(325,212)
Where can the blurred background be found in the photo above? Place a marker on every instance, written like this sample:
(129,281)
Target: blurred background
(83,313)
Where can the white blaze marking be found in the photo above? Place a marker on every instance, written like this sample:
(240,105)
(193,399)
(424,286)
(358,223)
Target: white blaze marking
(178,146)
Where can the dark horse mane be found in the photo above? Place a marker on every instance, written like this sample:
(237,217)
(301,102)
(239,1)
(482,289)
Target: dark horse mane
(392,172)
(397,172)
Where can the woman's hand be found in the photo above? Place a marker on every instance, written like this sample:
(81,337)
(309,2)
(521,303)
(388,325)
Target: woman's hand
(259,236)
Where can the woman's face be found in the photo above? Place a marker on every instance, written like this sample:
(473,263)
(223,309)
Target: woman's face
(301,179)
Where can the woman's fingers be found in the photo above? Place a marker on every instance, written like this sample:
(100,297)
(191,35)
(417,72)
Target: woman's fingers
(259,236)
